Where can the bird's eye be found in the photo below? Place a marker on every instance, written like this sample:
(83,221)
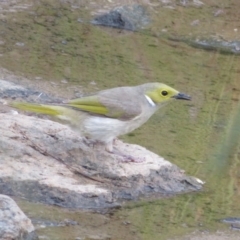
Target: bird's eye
(164,93)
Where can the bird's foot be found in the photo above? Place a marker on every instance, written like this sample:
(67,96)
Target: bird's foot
(121,157)
(87,142)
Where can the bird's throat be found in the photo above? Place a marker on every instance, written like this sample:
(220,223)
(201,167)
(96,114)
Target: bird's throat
(150,101)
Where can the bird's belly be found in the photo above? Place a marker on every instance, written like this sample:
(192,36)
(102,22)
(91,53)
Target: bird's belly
(106,129)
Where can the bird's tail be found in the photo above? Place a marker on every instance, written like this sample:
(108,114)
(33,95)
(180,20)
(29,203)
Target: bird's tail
(63,114)
(39,108)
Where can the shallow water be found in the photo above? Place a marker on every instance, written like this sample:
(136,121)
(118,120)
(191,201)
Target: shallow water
(202,136)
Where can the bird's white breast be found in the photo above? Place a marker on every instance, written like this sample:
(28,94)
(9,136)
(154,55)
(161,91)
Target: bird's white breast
(105,129)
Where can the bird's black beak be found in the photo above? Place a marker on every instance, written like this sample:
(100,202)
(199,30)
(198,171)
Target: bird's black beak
(182,96)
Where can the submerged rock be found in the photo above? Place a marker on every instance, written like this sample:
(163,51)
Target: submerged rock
(224,47)
(47,162)
(227,47)
(130,18)
(13,222)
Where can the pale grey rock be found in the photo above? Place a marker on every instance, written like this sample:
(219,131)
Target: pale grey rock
(47,162)
(14,224)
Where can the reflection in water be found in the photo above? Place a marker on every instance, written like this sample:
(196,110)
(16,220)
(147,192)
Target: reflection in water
(208,147)
(228,146)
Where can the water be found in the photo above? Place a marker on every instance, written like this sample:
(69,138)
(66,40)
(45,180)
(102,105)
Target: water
(202,136)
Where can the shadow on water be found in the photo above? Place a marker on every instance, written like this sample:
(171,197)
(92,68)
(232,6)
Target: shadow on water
(201,137)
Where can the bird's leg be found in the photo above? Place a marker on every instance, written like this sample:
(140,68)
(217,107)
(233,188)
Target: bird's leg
(122,157)
(109,146)
(93,143)
(115,141)
(88,142)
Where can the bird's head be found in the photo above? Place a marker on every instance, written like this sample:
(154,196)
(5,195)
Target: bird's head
(160,93)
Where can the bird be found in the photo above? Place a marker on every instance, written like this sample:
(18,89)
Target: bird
(107,114)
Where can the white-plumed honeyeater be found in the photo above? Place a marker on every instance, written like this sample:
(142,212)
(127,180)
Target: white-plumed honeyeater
(109,113)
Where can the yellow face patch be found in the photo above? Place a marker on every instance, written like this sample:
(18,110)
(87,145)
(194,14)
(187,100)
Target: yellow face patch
(162,93)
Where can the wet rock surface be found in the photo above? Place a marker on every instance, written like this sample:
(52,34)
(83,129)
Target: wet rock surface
(47,162)
(234,222)
(13,222)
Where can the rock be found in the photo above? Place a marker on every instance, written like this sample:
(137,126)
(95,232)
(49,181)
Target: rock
(221,46)
(47,162)
(225,47)
(130,18)
(195,22)
(13,91)
(195,3)
(13,222)
(233,221)
(41,223)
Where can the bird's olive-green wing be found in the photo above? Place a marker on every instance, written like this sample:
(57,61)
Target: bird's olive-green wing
(118,103)
(89,104)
